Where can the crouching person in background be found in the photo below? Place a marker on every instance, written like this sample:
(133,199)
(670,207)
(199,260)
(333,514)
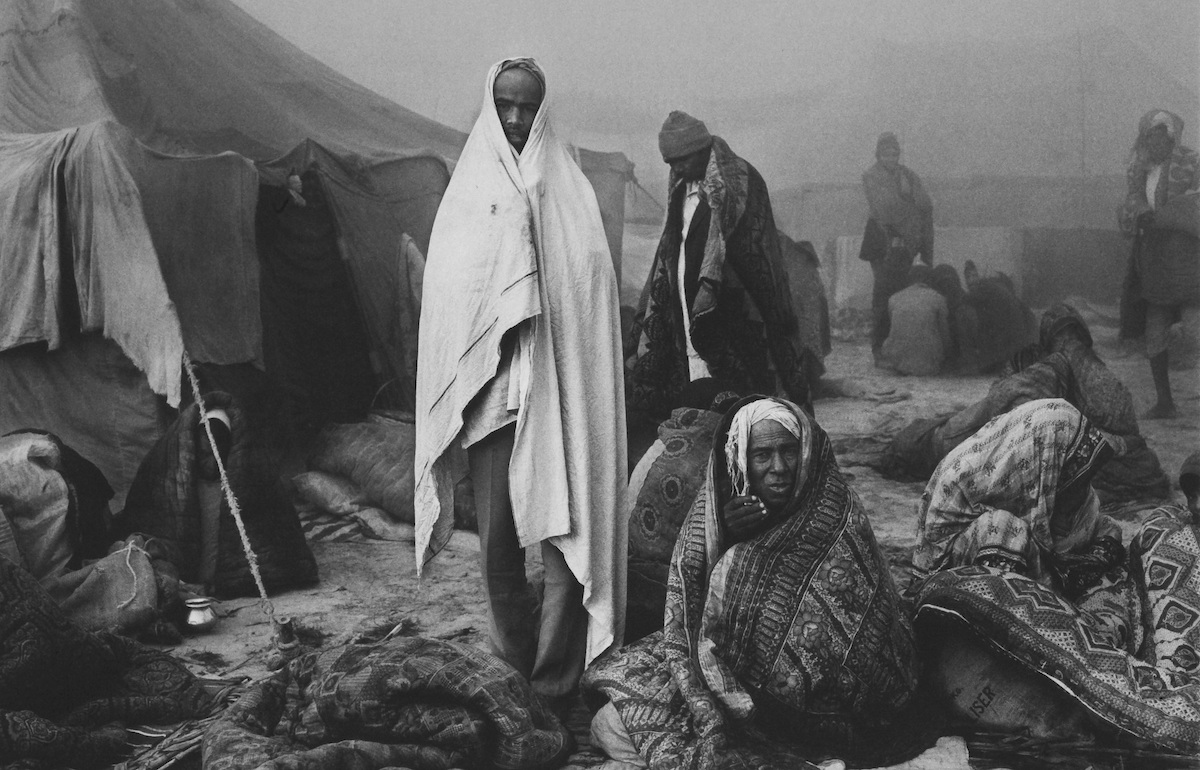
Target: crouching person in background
(177,499)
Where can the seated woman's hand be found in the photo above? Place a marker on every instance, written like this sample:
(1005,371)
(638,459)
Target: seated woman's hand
(744,516)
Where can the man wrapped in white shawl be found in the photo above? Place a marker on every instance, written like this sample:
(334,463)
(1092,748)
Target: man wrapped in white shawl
(519,362)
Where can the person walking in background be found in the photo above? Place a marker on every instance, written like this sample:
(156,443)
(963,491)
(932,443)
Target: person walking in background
(519,362)
(899,229)
(1161,213)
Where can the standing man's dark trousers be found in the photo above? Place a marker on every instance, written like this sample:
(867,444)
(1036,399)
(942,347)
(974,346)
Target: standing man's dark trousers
(891,275)
(547,648)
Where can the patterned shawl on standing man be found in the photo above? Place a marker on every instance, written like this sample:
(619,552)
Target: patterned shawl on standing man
(742,320)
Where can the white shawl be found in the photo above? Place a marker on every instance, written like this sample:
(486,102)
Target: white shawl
(519,238)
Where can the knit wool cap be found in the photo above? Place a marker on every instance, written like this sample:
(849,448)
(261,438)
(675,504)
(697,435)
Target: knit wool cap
(681,135)
(887,140)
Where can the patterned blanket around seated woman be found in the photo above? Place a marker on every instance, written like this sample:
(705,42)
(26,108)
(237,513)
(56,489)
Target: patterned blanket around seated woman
(785,639)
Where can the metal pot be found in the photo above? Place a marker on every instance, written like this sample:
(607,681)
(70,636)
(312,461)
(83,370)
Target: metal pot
(201,615)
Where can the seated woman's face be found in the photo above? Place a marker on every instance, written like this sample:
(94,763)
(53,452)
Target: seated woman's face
(772,461)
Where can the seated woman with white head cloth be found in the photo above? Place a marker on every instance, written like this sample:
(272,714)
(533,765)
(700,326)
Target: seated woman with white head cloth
(784,641)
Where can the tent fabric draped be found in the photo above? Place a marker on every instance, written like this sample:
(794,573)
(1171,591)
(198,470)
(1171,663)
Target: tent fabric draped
(118,285)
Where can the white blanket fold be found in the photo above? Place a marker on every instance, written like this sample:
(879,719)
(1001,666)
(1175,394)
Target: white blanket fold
(519,238)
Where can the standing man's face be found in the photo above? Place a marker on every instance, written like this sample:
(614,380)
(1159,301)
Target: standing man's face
(691,168)
(1159,144)
(890,158)
(518,95)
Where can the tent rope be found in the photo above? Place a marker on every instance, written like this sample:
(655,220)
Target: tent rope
(252,558)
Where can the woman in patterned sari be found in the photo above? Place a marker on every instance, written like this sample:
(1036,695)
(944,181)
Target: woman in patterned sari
(1017,496)
(1014,559)
(785,640)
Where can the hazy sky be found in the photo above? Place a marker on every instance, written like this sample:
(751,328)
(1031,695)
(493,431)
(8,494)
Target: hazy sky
(784,80)
(430,55)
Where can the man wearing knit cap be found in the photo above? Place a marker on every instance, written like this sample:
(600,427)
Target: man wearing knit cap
(716,302)
(899,228)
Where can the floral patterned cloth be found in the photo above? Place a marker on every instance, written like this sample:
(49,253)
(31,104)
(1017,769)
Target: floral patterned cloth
(662,489)
(1034,463)
(790,646)
(1126,650)
(408,702)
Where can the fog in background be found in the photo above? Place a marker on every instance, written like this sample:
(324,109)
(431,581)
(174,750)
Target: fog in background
(801,89)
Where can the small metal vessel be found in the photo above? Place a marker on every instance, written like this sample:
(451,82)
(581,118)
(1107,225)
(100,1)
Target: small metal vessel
(201,615)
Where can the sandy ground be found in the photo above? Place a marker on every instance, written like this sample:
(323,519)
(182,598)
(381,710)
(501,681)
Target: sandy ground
(369,588)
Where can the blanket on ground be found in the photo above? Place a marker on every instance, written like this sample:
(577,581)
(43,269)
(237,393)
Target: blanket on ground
(63,688)
(163,504)
(780,649)
(1133,665)
(408,702)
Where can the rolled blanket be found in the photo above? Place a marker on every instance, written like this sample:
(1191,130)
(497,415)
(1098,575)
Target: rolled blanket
(407,702)
(63,688)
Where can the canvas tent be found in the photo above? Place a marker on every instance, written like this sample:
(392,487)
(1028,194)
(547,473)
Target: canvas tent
(145,146)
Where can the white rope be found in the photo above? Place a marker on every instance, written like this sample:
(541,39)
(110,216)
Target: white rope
(129,563)
(267,607)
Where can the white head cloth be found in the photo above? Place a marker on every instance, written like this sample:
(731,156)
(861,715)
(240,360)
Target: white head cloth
(217,414)
(1164,119)
(738,440)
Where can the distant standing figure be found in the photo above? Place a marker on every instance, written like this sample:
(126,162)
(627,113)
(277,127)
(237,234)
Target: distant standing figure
(919,337)
(717,301)
(519,362)
(899,228)
(1161,213)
